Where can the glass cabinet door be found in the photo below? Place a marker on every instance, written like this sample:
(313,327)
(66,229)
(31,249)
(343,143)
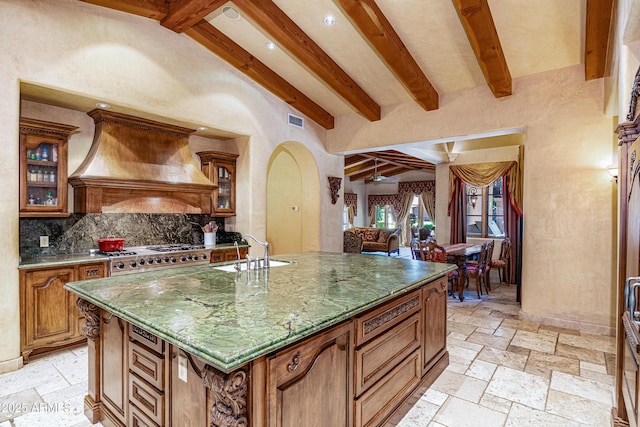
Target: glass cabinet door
(43,168)
(42,174)
(225,178)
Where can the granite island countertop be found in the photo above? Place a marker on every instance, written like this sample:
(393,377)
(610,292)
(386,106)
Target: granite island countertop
(228,319)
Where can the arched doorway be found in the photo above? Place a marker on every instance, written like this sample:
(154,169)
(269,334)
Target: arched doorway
(293,200)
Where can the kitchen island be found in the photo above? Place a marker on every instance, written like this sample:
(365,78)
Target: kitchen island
(328,339)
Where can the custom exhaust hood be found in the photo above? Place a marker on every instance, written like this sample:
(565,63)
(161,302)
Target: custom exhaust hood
(142,166)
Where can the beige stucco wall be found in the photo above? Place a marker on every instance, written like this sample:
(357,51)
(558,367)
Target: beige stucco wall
(134,62)
(568,261)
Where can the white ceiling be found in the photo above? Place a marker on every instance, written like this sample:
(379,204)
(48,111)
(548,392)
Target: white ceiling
(536,36)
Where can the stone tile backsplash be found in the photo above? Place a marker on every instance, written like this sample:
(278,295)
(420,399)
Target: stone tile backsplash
(80,232)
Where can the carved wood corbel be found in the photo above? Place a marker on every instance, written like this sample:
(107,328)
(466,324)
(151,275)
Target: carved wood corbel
(91,325)
(228,397)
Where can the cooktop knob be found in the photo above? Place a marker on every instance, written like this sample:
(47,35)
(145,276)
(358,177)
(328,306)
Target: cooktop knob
(133,264)
(172,259)
(203,256)
(149,260)
(141,262)
(120,265)
(166,259)
(195,257)
(183,258)
(158,260)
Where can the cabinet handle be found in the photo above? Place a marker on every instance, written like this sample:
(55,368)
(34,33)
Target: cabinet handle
(630,286)
(93,273)
(294,363)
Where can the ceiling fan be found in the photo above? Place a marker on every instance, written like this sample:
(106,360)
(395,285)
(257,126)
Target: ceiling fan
(376,177)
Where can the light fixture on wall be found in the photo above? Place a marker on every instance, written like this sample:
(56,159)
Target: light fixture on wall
(334,188)
(472,196)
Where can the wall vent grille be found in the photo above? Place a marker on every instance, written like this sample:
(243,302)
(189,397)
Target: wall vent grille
(296,121)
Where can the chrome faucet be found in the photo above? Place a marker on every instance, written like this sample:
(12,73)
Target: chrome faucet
(266,250)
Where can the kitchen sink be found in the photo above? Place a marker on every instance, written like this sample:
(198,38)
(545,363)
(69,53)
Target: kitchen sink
(243,265)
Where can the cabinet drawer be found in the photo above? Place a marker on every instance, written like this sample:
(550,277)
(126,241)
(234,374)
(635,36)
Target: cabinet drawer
(147,365)
(379,356)
(376,322)
(147,399)
(138,419)
(217,256)
(385,395)
(91,271)
(149,340)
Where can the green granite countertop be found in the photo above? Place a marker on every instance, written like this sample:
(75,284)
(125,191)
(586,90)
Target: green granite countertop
(60,260)
(227,319)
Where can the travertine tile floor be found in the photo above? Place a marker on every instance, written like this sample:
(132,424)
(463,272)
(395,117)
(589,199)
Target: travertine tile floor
(502,372)
(507,372)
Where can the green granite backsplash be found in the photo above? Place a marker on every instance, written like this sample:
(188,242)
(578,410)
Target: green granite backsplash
(79,232)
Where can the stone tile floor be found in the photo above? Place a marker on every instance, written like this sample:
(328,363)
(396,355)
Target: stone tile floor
(502,372)
(512,373)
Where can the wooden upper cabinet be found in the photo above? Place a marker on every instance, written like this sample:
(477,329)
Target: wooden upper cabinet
(43,168)
(220,168)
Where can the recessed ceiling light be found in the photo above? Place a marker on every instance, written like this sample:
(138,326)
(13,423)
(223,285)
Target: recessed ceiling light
(271,45)
(202,128)
(102,105)
(329,20)
(231,12)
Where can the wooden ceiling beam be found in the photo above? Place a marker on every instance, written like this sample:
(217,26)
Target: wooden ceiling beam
(389,159)
(367,166)
(184,13)
(352,159)
(154,9)
(274,22)
(598,20)
(218,43)
(477,21)
(376,29)
(381,170)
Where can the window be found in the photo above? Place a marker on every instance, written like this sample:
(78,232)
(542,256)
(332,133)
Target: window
(345,217)
(485,213)
(384,217)
(418,217)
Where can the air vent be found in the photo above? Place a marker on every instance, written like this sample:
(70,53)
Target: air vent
(296,121)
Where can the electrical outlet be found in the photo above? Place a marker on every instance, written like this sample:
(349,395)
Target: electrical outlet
(44,241)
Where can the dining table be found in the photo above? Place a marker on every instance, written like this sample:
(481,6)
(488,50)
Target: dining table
(459,254)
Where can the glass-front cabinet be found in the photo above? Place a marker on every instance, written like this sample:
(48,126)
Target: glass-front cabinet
(43,168)
(220,168)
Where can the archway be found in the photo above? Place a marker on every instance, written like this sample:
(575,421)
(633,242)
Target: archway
(293,200)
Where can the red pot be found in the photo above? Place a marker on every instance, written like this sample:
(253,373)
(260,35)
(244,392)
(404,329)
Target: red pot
(110,244)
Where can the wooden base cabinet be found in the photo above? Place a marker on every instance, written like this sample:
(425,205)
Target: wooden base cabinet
(312,381)
(228,254)
(49,318)
(357,373)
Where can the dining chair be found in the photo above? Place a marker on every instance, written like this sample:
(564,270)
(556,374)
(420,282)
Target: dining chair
(487,269)
(478,269)
(432,252)
(502,263)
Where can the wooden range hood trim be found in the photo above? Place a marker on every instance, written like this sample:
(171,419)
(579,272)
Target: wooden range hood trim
(139,165)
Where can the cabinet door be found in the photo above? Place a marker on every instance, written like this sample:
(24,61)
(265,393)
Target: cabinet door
(114,366)
(434,309)
(43,168)
(224,197)
(48,311)
(311,383)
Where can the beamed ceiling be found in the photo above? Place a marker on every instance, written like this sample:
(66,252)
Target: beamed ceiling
(386,52)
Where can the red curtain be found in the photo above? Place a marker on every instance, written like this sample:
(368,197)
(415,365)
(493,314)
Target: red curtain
(458,213)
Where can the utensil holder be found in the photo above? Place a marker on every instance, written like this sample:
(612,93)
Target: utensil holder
(209,240)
